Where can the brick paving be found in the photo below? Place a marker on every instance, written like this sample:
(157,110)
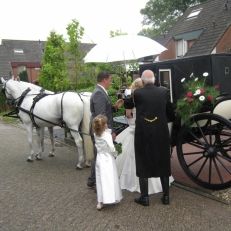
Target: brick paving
(50,195)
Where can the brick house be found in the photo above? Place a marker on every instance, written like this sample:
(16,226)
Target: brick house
(24,55)
(203,29)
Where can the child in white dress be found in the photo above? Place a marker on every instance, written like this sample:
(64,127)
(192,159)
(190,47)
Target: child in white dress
(107,181)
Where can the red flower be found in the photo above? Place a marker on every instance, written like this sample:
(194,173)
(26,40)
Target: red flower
(202,91)
(189,94)
(210,98)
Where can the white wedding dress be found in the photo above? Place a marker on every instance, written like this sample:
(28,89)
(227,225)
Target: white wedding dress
(107,180)
(126,162)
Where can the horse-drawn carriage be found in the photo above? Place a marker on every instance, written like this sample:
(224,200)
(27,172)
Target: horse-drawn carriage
(203,144)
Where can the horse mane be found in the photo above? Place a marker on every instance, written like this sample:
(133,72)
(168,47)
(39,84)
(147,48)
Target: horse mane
(32,86)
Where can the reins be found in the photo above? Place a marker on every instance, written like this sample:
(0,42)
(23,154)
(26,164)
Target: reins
(18,101)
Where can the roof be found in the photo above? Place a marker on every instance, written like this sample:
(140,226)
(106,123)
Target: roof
(210,25)
(27,51)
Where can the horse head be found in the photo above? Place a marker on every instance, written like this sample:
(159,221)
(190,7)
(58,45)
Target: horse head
(13,90)
(2,84)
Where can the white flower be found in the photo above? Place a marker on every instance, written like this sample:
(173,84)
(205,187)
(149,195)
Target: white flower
(201,98)
(191,75)
(205,74)
(195,79)
(182,80)
(197,92)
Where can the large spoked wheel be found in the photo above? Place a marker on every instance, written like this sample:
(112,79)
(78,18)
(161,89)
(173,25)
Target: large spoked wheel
(204,150)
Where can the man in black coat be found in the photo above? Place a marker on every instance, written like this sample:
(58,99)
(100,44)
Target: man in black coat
(152,141)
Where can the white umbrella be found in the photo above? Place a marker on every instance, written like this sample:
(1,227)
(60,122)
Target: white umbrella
(122,48)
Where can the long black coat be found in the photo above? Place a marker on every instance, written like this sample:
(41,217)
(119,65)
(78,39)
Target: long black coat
(152,141)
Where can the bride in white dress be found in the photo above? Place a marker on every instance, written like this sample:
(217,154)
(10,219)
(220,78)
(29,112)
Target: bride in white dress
(126,160)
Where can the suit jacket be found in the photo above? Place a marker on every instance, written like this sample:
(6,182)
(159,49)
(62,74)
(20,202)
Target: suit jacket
(100,103)
(152,141)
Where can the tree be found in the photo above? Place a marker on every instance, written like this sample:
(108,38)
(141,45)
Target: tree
(53,75)
(161,15)
(75,56)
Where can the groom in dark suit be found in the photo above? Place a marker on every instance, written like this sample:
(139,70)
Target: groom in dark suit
(152,141)
(100,103)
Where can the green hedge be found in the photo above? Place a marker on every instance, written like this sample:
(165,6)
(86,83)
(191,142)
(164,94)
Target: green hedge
(3,106)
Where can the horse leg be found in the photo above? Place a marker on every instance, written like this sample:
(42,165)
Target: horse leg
(51,133)
(29,130)
(79,144)
(40,142)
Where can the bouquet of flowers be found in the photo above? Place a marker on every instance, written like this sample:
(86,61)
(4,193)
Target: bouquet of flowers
(118,147)
(197,94)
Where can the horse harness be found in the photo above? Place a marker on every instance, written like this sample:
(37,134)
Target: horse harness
(36,99)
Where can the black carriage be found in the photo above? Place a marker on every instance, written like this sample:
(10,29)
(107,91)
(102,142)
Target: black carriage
(203,144)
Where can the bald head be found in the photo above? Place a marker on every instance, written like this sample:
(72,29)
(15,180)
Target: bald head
(148,77)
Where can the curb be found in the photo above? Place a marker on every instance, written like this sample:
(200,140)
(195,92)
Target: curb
(201,192)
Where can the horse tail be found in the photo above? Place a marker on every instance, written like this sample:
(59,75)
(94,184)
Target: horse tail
(85,127)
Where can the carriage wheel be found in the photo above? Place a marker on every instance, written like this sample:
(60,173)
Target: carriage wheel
(204,150)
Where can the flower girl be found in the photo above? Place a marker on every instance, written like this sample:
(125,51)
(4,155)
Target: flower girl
(107,182)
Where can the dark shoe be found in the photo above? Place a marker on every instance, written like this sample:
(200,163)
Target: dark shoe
(165,200)
(91,184)
(142,201)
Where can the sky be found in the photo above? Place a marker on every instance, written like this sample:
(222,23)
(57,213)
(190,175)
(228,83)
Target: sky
(34,20)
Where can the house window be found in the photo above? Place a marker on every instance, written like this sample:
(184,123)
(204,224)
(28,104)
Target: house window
(18,51)
(194,14)
(181,48)
(21,69)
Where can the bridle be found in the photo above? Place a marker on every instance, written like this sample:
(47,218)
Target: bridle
(10,99)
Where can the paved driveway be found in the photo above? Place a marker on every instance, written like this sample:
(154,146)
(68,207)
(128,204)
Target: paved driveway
(50,195)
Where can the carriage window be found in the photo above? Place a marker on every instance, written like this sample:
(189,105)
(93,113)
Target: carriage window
(165,79)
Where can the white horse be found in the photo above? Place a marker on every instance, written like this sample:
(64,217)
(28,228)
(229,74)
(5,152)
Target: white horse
(49,111)
(39,130)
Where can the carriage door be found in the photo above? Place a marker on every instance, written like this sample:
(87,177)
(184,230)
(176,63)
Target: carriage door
(165,79)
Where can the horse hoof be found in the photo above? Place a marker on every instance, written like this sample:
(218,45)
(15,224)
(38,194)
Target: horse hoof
(79,167)
(51,154)
(29,160)
(88,164)
(38,157)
